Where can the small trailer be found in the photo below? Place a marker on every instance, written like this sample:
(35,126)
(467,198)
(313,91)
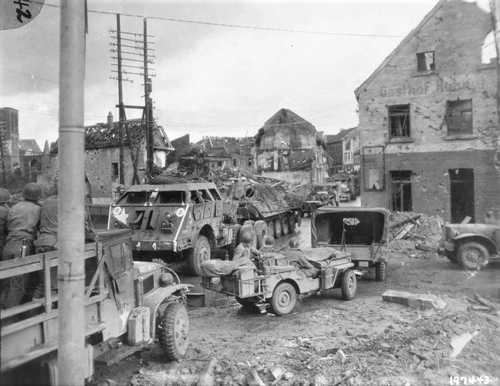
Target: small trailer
(127,305)
(280,278)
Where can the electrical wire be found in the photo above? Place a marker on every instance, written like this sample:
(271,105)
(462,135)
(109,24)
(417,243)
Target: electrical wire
(238,26)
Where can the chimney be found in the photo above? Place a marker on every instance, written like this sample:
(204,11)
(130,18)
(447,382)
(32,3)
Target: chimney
(110,120)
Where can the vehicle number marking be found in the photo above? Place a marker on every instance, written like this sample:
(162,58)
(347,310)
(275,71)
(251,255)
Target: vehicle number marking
(180,212)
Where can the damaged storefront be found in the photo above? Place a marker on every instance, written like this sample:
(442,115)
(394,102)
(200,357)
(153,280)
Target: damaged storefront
(428,120)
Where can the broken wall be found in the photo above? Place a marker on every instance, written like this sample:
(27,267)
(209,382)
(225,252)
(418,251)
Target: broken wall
(455,31)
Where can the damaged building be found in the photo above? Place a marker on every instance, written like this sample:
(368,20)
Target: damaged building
(228,152)
(102,154)
(428,119)
(290,148)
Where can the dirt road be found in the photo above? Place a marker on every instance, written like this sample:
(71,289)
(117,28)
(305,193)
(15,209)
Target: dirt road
(326,340)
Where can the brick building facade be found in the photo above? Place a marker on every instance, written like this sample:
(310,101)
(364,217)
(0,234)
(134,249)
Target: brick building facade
(428,119)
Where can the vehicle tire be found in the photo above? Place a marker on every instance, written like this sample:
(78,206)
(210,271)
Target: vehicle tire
(173,331)
(349,285)
(381,271)
(277,228)
(284,298)
(284,226)
(199,254)
(472,255)
(260,228)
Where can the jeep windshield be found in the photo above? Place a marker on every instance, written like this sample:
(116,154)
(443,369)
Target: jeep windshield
(172,197)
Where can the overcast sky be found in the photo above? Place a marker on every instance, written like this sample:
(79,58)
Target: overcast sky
(213,80)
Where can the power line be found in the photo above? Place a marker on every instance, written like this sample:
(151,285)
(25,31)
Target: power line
(238,26)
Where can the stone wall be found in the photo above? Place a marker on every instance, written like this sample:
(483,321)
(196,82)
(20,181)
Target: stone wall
(455,31)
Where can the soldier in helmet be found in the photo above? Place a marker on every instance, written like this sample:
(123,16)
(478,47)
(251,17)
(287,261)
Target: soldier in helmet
(4,212)
(22,226)
(244,252)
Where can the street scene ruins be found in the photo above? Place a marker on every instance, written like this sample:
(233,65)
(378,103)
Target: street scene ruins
(205,210)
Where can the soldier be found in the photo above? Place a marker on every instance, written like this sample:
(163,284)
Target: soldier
(47,238)
(22,226)
(244,252)
(4,212)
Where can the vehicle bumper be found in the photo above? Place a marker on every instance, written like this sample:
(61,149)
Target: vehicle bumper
(154,245)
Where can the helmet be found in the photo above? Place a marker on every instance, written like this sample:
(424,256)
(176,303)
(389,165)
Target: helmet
(246,236)
(268,241)
(32,192)
(4,196)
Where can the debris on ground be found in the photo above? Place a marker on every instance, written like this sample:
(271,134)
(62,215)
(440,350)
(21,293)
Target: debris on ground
(458,343)
(420,301)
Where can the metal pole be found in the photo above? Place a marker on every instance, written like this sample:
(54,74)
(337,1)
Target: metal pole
(71,275)
(147,109)
(495,14)
(2,133)
(121,112)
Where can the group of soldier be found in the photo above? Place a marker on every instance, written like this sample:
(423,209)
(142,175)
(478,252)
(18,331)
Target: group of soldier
(27,227)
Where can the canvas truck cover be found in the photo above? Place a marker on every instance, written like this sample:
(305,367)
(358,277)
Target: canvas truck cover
(362,226)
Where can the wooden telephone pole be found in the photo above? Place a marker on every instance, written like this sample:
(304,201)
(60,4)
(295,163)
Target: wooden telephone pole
(133,57)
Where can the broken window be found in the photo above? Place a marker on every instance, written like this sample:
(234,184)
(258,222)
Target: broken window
(399,121)
(114,171)
(425,61)
(459,117)
(401,190)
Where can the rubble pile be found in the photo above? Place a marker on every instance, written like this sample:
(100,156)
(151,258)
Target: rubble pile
(414,233)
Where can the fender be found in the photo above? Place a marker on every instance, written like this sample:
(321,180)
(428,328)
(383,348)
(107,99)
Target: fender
(154,299)
(489,243)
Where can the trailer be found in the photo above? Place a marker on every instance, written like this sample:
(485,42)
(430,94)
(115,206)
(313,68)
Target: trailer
(127,304)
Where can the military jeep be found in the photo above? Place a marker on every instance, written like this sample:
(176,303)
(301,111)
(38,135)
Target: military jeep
(187,220)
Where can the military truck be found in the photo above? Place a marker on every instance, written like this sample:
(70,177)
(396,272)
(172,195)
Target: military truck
(186,220)
(127,305)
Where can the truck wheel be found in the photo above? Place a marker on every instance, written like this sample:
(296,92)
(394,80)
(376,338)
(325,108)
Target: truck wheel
(284,226)
(199,254)
(381,271)
(277,228)
(284,298)
(349,285)
(472,255)
(173,332)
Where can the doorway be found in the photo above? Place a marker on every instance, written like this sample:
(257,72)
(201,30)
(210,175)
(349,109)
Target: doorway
(401,190)
(461,194)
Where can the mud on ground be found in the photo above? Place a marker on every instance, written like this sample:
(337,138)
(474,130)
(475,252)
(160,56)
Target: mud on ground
(326,340)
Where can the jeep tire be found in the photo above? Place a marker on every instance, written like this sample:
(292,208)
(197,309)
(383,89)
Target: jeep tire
(349,285)
(173,331)
(199,254)
(472,255)
(284,298)
(380,271)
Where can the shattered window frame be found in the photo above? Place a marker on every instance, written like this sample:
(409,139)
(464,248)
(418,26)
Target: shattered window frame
(399,121)
(459,117)
(401,190)
(426,61)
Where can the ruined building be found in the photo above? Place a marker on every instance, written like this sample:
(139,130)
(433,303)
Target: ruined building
(289,148)
(428,119)
(102,152)
(9,140)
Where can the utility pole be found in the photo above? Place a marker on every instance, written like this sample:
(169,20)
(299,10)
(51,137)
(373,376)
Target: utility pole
(495,15)
(3,127)
(147,109)
(133,57)
(121,110)
(71,273)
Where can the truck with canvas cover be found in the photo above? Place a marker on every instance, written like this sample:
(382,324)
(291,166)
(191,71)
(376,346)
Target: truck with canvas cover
(360,231)
(127,305)
(271,203)
(185,219)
